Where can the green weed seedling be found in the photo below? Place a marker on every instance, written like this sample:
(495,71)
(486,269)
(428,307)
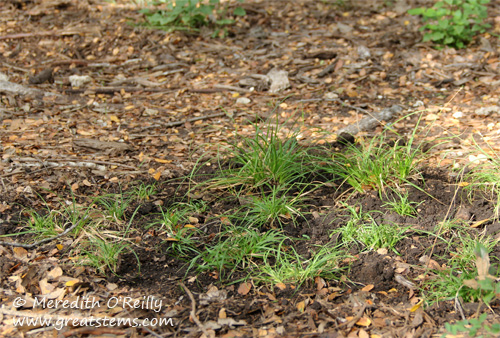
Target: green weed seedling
(52,222)
(104,254)
(485,288)
(143,192)
(174,222)
(42,225)
(287,266)
(401,205)
(363,229)
(271,208)
(238,249)
(472,327)
(453,22)
(190,15)
(115,205)
(485,178)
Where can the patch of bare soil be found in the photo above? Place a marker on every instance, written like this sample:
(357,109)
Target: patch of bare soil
(151,103)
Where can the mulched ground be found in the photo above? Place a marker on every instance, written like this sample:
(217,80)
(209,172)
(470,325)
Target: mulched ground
(131,123)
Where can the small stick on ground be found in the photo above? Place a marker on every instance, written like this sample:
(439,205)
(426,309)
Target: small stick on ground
(353,321)
(180,123)
(31,246)
(193,310)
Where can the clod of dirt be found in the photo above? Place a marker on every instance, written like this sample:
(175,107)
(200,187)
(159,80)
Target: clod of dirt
(45,75)
(373,269)
(463,213)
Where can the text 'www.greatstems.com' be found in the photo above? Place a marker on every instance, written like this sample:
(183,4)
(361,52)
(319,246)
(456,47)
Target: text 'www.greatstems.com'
(96,322)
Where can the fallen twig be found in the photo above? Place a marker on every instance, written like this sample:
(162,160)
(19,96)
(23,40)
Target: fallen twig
(339,102)
(353,321)
(180,123)
(33,34)
(31,246)
(193,310)
(113,90)
(56,163)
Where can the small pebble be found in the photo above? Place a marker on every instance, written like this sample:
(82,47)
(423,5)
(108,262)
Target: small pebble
(243,100)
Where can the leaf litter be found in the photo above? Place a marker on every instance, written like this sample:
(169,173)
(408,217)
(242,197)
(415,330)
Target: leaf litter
(92,104)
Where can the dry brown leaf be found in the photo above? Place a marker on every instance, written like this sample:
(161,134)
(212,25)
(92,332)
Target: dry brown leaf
(301,306)
(363,334)
(20,253)
(54,273)
(244,288)
(320,283)
(364,321)
(280,286)
(368,287)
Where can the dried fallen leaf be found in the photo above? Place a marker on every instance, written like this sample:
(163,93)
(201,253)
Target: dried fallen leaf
(478,223)
(363,334)
(157,175)
(301,306)
(45,287)
(367,288)
(281,286)
(54,273)
(417,306)
(244,288)
(20,253)
(320,283)
(364,321)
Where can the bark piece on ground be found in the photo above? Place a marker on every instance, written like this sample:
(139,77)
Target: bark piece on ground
(370,122)
(105,146)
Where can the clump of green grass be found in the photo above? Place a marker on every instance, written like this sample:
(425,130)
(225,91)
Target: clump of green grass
(378,165)
(104,253)
(115,205)
(238,249)
(264,161)
(467,277)
(143,192)
(290,267)
(402,205)
(485,178)
(386,161)
(361,228)
(271,208)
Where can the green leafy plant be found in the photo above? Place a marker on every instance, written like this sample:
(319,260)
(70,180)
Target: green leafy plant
(453,22)
(190,15)
(472,326)
(485,288)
